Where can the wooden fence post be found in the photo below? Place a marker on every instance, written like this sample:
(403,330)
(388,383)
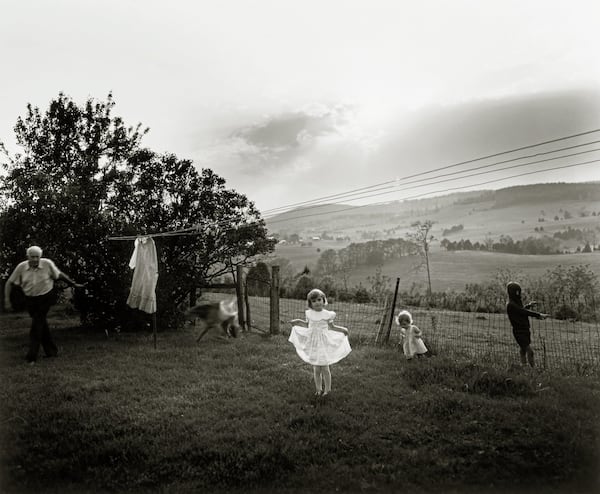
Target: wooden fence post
(379,335)
(248,313)
(2,285)
(392,310)
(274,296)
(239,291)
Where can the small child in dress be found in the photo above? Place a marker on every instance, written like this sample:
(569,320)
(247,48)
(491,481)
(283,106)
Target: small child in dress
(412,343)
(318,341)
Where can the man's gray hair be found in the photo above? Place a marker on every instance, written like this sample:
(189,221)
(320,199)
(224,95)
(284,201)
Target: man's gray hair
(34,250)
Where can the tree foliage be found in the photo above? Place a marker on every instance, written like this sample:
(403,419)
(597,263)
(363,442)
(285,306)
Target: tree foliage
(83,176)
(258,280)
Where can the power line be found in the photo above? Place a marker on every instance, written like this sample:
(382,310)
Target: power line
(451,189)
(221,225)
(342,195)
(396,188)
(362,189)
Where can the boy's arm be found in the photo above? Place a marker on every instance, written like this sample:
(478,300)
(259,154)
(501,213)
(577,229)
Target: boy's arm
(515,309)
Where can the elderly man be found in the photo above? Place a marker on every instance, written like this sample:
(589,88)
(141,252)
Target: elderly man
(36,277)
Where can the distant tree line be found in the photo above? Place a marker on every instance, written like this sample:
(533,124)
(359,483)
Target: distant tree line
(505,244)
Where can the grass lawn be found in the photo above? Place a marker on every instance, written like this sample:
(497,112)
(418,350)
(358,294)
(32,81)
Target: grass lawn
(116,415)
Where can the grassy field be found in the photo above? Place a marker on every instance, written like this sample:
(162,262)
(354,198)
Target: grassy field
(113,414)
(449,270)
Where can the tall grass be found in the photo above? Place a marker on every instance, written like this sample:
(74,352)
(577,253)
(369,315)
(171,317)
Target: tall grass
(114,415)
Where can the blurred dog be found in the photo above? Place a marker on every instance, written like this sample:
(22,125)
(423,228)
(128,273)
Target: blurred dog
(221,318)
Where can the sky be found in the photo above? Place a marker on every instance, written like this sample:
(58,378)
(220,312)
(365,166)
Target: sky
(292,101)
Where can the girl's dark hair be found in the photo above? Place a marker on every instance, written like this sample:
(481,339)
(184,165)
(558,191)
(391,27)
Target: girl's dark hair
(314,294)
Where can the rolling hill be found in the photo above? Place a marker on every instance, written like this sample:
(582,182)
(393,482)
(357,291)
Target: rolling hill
(519,212)
(514,211)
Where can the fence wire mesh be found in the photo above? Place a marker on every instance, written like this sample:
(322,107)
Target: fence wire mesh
(570,345)
(257,303)
(568,340)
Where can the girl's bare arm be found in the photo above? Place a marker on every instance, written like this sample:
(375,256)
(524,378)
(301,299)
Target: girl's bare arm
(299,322)
(335,327)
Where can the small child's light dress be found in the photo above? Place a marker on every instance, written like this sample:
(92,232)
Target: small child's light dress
(317,344)
(413,344)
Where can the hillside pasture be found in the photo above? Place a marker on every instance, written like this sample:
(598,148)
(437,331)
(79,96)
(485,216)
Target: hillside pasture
(479,219)
(449,270)
(453,270)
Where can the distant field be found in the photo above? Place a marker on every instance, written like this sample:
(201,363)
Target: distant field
(452,270)
(449,270)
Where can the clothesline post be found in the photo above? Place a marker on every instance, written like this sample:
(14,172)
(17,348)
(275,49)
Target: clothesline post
(154,328)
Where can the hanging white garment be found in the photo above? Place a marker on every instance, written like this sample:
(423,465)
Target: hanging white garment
(144,262)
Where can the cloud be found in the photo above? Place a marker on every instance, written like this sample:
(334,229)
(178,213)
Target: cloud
(286,139)
(325,150)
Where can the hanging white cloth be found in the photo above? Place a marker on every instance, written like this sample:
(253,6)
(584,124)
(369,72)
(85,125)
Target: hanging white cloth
(144,262)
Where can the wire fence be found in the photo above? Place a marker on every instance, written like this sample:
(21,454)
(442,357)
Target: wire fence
(567,341)
(567,345)
(564,345)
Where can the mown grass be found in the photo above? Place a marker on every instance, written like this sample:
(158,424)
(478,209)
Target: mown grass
(116,415)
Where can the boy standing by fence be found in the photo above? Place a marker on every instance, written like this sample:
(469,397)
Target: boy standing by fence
(519,315)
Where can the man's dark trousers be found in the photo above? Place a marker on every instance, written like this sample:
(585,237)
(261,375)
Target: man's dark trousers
(38,308)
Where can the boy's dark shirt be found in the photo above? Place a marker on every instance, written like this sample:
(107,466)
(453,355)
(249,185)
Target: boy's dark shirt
(519,316)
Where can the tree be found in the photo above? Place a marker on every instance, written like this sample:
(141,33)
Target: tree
(327,262)
(304,285)
(422,239)
(84,176)
(258,280)
(380,285)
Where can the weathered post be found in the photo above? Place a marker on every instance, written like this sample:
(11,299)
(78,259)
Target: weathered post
(239,291)
(392,311)
(379,335)
(2,285)
(274,296)
(248,313)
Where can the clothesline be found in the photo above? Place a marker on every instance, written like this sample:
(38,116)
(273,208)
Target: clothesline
(195,230)
(153,235)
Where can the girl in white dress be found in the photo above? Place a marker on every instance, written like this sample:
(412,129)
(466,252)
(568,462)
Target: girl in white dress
(412,344)
(318,341)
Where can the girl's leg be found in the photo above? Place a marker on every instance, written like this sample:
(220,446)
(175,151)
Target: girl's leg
(327,378)
(318,378)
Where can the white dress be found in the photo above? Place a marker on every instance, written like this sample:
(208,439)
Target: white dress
(413,344)
(317,344)
(145,275)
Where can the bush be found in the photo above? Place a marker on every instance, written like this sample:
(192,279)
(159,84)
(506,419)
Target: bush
(564,312)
